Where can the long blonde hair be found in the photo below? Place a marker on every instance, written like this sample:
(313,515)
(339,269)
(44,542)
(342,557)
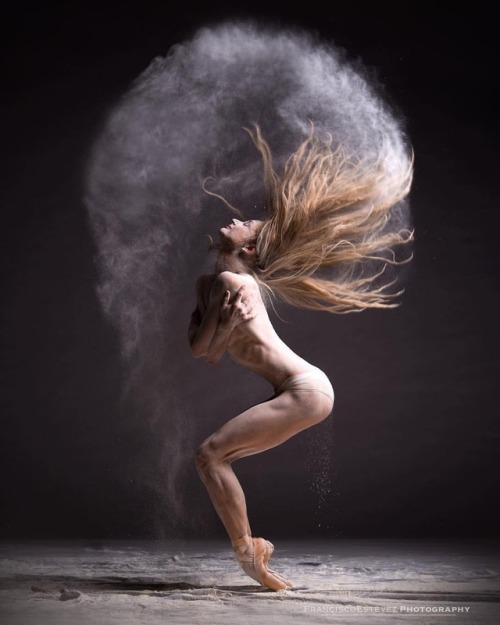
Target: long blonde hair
(332,226)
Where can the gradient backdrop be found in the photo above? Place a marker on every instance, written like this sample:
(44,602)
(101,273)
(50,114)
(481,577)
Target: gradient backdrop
(412,447)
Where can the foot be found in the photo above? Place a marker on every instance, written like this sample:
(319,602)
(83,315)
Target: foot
(254,554)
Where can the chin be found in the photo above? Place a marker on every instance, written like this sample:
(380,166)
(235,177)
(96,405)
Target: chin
(223,238)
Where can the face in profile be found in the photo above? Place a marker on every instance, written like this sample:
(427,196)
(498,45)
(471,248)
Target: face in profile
(238,233)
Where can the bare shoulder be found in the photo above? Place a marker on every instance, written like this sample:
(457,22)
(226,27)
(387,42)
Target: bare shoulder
(229,279)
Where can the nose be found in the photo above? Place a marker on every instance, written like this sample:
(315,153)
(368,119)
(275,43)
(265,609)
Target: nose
(236,222)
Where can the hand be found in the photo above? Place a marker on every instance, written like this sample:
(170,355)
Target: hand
(240,309)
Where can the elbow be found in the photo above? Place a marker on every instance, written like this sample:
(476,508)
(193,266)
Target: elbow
(197,351)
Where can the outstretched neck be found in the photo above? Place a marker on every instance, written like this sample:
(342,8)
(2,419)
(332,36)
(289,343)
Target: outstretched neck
(230,261)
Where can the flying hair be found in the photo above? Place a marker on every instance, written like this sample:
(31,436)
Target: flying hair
(331,227)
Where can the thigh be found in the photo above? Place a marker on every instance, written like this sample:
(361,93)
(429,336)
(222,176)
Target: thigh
(262,427)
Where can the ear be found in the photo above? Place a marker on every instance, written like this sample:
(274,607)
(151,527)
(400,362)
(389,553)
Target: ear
(250,249)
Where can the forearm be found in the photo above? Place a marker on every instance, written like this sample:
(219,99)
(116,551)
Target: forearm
(200,338)
(212,325)
(218,344)
(194,326)
(204,321)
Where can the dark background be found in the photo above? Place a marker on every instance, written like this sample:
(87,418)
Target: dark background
(414,437)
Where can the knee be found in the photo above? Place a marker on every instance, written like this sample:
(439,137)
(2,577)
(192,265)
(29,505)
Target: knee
(323,407)
(206,456)
(327,408)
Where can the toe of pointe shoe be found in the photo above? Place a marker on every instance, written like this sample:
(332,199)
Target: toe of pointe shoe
(269,578)
(282,578)
(274,581)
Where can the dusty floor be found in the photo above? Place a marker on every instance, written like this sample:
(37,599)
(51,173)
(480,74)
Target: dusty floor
(337,581)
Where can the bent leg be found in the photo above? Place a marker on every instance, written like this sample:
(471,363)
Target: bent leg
(260,428)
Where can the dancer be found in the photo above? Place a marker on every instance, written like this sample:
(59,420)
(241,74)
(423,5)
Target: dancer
(327,211)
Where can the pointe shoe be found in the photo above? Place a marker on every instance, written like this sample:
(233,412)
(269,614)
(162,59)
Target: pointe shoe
(255,564)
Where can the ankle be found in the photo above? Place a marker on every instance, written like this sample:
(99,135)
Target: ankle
(243,544)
